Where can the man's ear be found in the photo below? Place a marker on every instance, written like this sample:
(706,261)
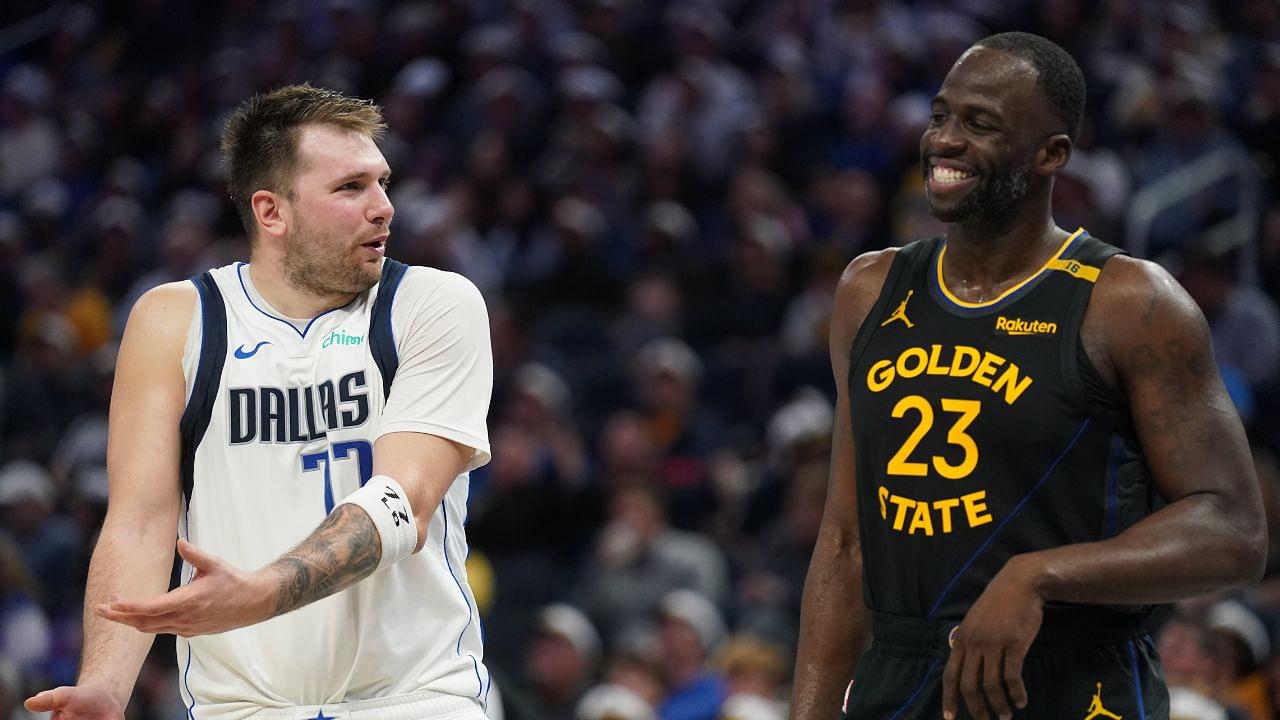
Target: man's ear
(272,212)
(1054,154)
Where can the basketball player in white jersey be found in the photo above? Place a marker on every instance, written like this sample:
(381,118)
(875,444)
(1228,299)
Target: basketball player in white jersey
(304,424)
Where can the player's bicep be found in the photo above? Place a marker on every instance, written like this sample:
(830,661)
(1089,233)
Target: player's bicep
(840,513)
(1190,432)
(147,401)
(425,465)
(445,376)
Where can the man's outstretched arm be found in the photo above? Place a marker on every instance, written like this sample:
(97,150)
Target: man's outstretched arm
(134,553)
(343,550)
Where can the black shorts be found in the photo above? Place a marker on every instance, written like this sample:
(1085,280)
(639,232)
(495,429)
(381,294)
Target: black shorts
(1094,670)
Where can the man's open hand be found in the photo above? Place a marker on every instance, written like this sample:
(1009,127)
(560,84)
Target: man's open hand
(985,667)
(220,597)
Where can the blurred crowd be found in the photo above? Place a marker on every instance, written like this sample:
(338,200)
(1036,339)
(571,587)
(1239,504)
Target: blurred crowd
(656,199)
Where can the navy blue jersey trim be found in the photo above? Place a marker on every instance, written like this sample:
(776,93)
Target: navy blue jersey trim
(1137,680)
(204,390)
(382,341)
(923,681)
(301,333)
(445,551)
(1017,509)
(1111,517)
(191,709)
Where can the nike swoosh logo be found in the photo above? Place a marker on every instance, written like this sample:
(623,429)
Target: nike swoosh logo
(243,354)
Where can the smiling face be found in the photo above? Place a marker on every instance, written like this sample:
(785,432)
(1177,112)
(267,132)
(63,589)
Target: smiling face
(341,213)
(980,151)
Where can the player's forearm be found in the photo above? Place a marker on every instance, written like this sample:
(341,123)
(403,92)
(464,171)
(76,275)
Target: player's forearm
(1192,546)
(342,551)
(833,629)
(128,562)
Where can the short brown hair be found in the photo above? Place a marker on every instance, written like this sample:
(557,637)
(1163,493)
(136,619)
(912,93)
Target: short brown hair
(260,139)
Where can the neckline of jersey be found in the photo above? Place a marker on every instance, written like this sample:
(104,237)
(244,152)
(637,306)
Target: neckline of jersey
(1010,294)
(292,323)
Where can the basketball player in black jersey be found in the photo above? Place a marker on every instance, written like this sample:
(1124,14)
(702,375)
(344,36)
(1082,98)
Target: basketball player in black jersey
(1032,443)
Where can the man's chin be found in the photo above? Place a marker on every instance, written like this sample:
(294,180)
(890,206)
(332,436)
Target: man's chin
(949,213)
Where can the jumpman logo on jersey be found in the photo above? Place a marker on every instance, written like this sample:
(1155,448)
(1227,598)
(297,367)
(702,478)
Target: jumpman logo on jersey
(1097,711)
(901,312)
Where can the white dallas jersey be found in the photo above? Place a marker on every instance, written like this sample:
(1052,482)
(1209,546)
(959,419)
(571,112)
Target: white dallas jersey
(279,426)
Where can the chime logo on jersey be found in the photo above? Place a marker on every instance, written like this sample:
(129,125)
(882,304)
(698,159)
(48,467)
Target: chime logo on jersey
(297,414)
(338,337)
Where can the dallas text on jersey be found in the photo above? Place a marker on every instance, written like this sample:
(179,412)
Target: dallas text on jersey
(297,414)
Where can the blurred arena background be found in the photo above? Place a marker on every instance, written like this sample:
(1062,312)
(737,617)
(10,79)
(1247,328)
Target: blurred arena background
(656,199)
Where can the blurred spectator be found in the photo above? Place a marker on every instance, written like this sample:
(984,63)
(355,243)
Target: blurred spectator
(43,388)
(1189,130)
(613,702)
(49,544)
(1186,653)
(1185,704)
(756,673)
(639,670)
(668,375)
(640,559)
(1245,652)
(560,664)
(25,638)
(1244,322)
(28,136)
(690,630)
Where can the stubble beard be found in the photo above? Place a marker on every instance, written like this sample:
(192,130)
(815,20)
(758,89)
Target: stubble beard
(988,203)
(319,266)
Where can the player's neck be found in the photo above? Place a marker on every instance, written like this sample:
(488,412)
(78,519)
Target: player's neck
(269,280)
(983,260)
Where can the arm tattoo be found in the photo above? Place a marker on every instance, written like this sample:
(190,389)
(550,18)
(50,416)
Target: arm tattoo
(1181,370)
(341,552)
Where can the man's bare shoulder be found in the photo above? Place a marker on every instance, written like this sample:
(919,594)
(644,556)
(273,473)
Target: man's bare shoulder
(1126,279)
(860,285)
(1136,308)
(160,318)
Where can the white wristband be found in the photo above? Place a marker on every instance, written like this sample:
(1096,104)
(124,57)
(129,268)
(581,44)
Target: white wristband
(388,506)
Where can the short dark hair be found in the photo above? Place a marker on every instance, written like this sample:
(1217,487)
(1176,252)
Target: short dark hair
(1058,77)
(260,139)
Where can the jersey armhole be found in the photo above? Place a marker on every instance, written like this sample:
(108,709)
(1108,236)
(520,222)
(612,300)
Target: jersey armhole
(208,375)
(904,262)
(382,339)
(1083,382)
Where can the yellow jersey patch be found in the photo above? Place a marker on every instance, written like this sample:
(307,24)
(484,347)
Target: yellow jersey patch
(1075,269)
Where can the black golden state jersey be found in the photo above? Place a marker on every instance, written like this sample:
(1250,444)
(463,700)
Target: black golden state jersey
(982,431)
